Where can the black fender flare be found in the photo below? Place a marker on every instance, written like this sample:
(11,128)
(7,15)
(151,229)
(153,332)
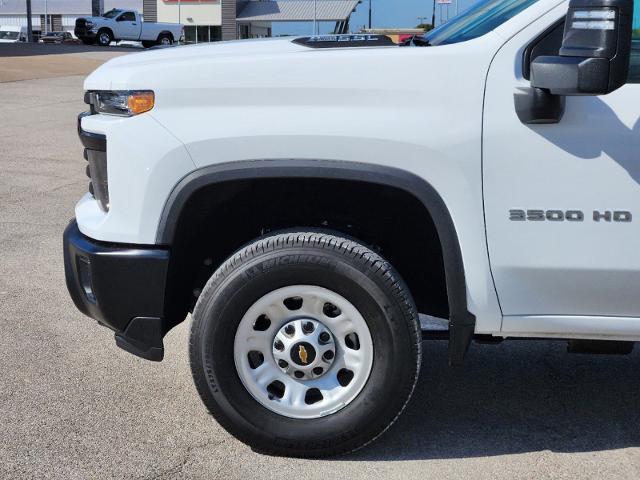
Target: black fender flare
(461,321)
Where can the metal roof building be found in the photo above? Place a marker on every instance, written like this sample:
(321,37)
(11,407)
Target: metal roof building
(297,10)
(204,20)
(207,20)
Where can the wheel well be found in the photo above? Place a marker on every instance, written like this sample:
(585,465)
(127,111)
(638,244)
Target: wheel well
(216,220)
(165,33)
(106,29)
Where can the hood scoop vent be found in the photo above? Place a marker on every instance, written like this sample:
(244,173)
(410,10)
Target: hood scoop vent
(345,41)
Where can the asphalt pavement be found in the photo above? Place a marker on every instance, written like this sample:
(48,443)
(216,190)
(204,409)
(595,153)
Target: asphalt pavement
(27,61)
(74,406)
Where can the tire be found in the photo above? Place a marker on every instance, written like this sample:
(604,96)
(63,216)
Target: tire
(148,43)
(165,39)
(88,41)
(104,38)
(369,297)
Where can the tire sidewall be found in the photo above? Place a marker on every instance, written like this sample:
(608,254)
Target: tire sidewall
(219,315)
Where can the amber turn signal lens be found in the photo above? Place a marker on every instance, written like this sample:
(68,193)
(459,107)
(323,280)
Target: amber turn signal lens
(140,102)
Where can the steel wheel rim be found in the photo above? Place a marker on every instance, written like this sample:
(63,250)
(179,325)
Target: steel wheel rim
(317,395)
(104,38)
(165,41)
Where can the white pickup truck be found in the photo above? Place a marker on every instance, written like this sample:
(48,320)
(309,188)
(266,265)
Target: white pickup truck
(12,34)
(116,25)
(307,199)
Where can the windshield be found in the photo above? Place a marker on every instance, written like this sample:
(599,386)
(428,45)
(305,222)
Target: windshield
(481,18)
(112,13)
(8,35)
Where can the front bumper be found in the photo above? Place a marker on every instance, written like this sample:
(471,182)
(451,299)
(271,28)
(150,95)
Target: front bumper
(120,286)
(82,32)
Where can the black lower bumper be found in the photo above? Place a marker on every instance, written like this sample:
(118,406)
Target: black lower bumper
(120,286)
(84,33)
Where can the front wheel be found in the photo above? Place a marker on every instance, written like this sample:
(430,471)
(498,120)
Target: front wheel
(305,344)
(104,38)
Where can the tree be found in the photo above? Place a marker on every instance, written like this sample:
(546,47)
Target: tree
(425,26)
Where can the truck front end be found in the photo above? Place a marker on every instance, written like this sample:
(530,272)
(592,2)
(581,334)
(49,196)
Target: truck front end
(114,275)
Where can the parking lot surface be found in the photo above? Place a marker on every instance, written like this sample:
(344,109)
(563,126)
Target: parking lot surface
(74,406)
(25,61)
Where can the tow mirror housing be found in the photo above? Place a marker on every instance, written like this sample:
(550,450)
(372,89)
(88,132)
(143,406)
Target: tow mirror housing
(595,53)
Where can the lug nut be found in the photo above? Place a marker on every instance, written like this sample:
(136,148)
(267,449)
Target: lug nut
(282,364)
(324,337)
(328,355)
(307,327)
(289,330)
(299,374)
(318,370)
(278,345)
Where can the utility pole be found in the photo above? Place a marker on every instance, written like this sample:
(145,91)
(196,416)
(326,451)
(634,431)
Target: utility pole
(370,16)
(97,8)
(315,17)
(46,18)
(29,24)
(433,17)
(180,13)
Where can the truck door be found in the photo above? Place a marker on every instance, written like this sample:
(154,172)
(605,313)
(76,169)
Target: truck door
(562,201)
(128,27)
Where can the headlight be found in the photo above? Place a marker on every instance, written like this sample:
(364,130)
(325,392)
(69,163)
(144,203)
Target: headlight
(89,24)
(125,103)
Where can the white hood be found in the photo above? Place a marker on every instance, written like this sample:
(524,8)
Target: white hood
(112,74)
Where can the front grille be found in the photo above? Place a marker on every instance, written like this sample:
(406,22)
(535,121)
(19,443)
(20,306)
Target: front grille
(97,173)
(95,153)
(81,27)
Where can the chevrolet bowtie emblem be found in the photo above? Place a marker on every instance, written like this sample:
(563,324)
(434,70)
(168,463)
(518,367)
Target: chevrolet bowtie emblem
(302,353)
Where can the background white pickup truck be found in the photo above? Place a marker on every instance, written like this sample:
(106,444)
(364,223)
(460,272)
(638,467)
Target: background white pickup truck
(116,25)
(12,34)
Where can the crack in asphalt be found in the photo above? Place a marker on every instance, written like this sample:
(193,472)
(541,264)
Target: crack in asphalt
(178,468)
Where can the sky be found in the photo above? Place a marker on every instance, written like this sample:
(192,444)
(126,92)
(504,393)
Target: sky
(386,13)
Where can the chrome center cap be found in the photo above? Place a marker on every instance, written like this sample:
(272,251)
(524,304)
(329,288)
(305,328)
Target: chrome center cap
(304,349)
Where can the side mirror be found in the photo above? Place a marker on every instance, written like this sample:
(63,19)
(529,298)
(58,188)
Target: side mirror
(595,53)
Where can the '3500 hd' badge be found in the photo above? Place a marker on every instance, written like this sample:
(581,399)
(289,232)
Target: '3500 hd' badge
(618,216)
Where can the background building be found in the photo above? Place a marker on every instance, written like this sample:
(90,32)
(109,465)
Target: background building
(211,20)
(60,14)
(204,20)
